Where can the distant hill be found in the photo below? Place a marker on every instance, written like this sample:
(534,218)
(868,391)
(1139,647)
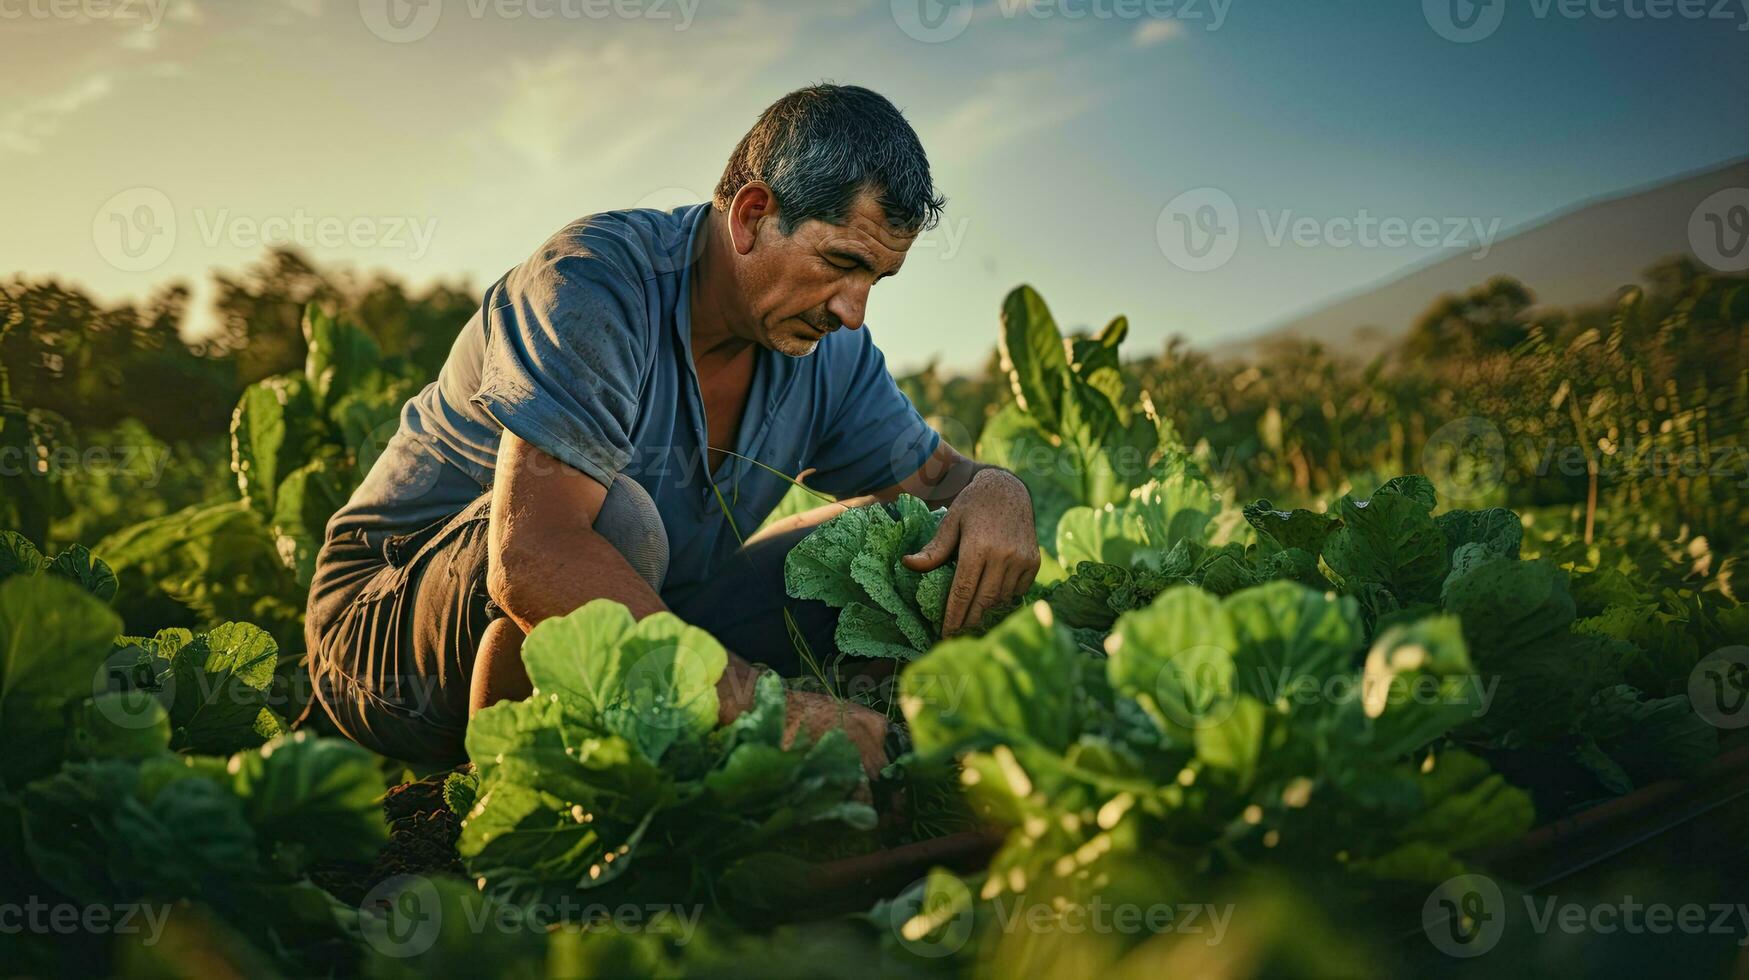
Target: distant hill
(1576,256)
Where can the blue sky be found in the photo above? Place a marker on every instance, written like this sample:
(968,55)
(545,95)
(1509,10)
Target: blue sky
(1059,139)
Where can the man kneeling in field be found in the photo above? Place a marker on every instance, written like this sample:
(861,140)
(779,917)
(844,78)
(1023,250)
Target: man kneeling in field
(605,405)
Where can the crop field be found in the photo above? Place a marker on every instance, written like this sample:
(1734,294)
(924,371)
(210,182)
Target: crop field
(1334,667)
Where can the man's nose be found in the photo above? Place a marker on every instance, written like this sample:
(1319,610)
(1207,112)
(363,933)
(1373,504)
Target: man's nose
(850,305)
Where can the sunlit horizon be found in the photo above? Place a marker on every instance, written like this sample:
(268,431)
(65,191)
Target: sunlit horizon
(1059,141)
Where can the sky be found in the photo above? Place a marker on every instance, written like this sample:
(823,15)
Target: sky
(1207,167)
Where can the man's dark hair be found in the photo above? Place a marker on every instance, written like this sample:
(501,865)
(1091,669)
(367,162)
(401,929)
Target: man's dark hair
(821,146)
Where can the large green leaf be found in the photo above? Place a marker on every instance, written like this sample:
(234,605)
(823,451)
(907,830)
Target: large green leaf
(1389,540)
(1288,636)
(1303,529)
(101,832)
(1497,529)
(120,725)
(1016,683)
(340,357)
(651,682)
(218,687)
(79,566)
(1417,685)
(18,556)
(54,638)
(1175,658)
(270,435)
(1463,808)
(1032,353)
(1053,472)
(818,567)
(312,798)
(1506,604)
(305,500)
(1144,527)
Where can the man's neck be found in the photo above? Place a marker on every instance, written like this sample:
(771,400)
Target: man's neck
(714,337)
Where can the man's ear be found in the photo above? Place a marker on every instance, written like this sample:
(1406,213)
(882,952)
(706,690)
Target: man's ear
(753,203)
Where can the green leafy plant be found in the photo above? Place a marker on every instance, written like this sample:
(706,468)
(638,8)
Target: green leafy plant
(616,762)
(1071,435)
(852,563)
(1212,734)
(301,442)
(76,564)
(238,835)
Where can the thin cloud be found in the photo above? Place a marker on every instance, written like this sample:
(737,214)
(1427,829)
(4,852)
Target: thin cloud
(25,129)
(1013,105)
(1151,32)
(549,114)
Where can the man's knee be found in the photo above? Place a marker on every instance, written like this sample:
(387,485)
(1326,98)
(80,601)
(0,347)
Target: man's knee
(631,523)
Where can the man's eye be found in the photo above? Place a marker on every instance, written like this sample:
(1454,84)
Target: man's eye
(841,265)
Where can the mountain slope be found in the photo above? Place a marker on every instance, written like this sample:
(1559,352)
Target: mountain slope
(1580,255)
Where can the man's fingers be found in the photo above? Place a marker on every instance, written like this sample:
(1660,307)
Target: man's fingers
(966,580)
(1014,585)
(991,591)
(939,549)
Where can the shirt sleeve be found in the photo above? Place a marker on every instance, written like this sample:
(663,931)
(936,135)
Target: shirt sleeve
(566,347)
(874,437)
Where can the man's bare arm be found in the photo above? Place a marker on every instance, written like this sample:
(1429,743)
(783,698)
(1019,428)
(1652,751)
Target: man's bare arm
(941,478)
(545,559)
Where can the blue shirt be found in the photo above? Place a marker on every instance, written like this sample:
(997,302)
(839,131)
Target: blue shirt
(585,351)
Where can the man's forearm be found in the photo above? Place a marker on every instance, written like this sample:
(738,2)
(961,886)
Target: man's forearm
(562,572)
(534,580)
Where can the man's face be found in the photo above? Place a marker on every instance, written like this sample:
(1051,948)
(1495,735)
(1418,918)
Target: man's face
(802,286)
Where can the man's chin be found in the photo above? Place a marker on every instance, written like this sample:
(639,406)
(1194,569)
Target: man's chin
(793,346)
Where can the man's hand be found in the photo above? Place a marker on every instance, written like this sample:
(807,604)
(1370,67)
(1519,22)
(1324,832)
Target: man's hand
(989,526)
(817,714)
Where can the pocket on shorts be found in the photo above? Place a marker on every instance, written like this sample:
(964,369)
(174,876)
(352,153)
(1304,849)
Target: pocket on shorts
(403,554)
